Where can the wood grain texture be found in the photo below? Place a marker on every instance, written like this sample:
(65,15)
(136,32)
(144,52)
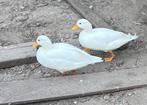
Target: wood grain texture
(87,13)
(18,54)
(71,86)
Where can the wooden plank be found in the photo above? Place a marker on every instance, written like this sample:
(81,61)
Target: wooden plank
(71,86)
(87,13)
(16,55)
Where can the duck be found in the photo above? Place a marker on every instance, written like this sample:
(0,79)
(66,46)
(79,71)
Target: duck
(102,39)
(62,56)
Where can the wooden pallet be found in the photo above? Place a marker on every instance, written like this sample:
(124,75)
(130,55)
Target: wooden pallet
(17,92)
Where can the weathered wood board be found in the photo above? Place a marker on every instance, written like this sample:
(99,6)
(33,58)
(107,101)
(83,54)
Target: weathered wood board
(87,13)
(37,90)
(16,55)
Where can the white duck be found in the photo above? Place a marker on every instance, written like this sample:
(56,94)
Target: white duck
(101,38)
(61,56)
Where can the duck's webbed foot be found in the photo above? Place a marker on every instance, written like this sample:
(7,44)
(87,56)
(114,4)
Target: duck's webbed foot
(109,59)
(87,50)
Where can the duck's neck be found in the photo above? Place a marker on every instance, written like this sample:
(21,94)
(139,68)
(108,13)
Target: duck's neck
(47,46)
(89,28)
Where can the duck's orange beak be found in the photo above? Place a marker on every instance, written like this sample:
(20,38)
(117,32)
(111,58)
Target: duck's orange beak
(35,45)
(75,27)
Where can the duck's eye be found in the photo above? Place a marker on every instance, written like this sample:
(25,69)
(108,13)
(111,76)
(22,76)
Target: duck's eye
(38,40)
(80,23)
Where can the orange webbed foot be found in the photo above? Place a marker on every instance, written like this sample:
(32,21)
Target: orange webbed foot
(87,50)
(109,59)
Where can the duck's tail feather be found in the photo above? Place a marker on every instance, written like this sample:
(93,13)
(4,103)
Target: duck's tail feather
(96,59)
(132,37)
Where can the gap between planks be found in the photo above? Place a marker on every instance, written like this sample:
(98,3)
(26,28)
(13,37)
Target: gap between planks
(49,89)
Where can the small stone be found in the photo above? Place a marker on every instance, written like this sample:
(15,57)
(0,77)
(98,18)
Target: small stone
(106,97)
(143,13)
(67,36)
(62,39)
(22,7)
(130,94)
(59,0)
(91,7)
(39,72)
(75,102)
(22,18)
(38,24)
(81,80)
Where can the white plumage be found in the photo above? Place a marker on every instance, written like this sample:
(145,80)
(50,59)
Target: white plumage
(102,38)
(61,56)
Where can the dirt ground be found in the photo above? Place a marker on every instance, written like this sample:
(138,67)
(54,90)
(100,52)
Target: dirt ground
(22,20)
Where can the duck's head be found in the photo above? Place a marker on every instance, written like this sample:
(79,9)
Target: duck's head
(83,24)
(42,41)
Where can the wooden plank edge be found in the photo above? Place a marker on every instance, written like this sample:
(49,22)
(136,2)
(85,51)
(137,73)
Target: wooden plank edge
(74,96)
(87,13)
(106,82)
(15,55)
(17,62)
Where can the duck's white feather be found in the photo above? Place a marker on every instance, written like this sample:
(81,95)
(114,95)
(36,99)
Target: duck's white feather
(65,57)
(104,39)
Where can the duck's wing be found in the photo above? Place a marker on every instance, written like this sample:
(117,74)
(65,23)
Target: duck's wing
(63,51)
(108,35)
(64,46)
(113,39)
(99,38)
